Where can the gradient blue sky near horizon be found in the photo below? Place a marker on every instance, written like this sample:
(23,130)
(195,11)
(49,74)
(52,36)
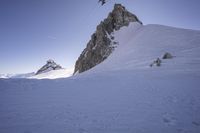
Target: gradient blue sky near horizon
(33,31)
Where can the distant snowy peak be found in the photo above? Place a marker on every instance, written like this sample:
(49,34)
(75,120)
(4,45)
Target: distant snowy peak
(49,66)
(50,70)
(25,75)
(3,76)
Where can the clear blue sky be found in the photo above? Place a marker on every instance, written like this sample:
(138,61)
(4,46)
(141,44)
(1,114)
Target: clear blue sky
(32,31)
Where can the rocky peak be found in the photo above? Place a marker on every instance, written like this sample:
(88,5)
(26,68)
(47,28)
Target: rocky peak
(101,44)
(120,17)
(50,65)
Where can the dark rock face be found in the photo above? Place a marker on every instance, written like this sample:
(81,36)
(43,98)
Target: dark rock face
(167,56)
(50,65)
(101,46)
(157,62)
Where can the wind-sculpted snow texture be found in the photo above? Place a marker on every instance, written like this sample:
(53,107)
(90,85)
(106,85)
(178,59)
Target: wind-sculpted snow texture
(120,95)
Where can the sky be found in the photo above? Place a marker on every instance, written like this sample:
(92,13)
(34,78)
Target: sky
(33,31)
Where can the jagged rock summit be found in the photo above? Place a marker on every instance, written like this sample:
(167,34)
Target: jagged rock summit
(102,42)
(50,65)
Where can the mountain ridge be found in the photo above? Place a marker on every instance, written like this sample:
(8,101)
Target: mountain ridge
(101,44)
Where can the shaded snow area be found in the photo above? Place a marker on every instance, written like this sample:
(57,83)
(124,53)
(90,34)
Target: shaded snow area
(121,95)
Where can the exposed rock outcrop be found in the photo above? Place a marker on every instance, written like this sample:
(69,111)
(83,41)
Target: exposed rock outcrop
(50,65)
(167,56)
(101,45)
(157,62)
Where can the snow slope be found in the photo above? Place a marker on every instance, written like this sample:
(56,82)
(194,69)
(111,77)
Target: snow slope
(121,95)
(54,74)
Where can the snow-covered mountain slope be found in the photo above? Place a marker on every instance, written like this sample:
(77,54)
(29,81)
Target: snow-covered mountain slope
(141,45)
(54,74)
(25,75)
(3,76)
(121,95)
